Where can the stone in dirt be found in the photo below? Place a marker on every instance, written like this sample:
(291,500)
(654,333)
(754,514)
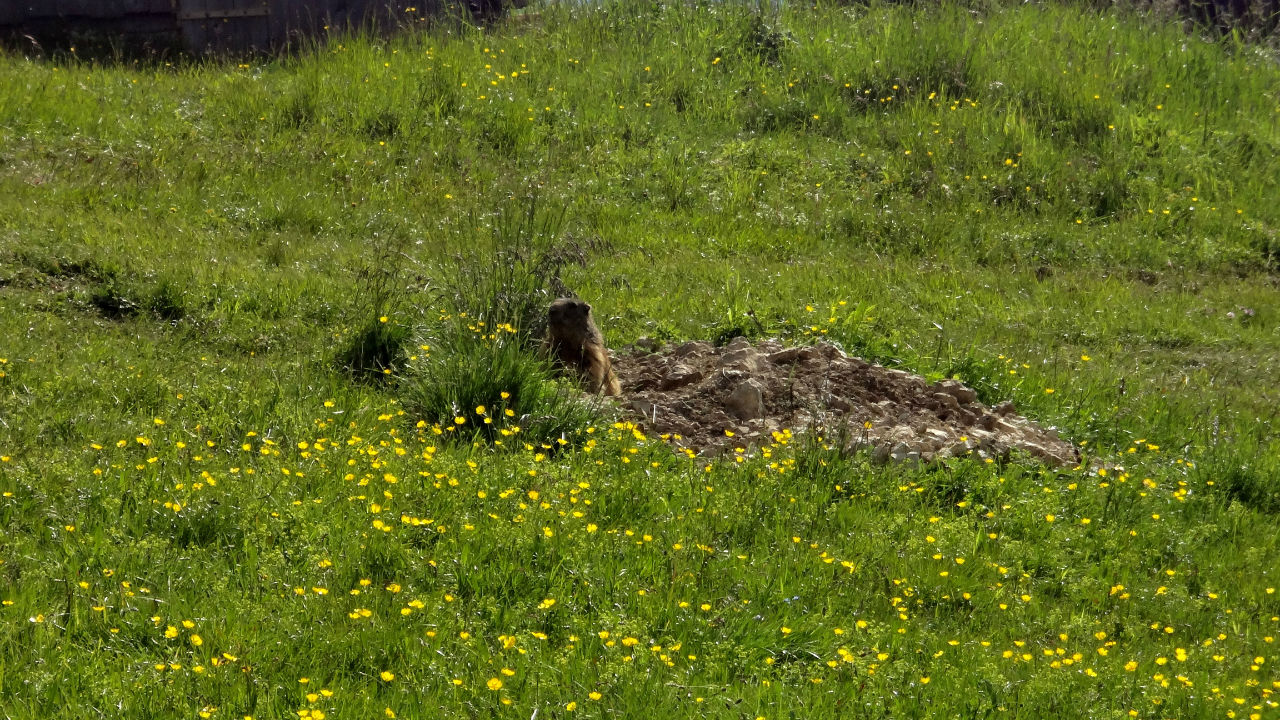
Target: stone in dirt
(698,391)
(678,375)
(747,400)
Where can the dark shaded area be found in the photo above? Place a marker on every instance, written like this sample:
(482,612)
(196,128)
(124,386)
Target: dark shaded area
(130,38)
(1255,18)
(142,30)
(1249,487)
(1252,20)
(374,349)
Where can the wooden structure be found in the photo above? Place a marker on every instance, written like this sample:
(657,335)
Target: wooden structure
(222,26)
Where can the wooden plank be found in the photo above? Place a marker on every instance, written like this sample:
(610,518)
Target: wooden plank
(340,14)
(240,25)
(301,18)
(84,8)
(143,7)
(278,23)
(248,33)
(260,33)
(195,35)
(19,10)
(224,25)
(224,13)
(232,35)
(219,42)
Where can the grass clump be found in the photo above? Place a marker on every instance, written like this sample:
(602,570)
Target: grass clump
(484,375)
(375,349)
(480,383)
(513,266)
(378,346)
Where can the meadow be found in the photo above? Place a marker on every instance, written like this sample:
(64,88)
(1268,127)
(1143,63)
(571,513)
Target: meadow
(273,443)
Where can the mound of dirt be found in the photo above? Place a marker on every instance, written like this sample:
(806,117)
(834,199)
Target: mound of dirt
(698,391)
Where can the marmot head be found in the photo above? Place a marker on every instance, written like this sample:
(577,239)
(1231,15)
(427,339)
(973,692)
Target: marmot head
(568,311)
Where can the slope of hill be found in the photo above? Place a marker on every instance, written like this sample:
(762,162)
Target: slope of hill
(204,513)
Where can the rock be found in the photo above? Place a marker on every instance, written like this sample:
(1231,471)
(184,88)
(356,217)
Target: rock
(807,354)
(830,352)
(679,375)
(962,394)
(1047,455)
(696,391)
(1004,426)
(946,402)
(1036,450)
(745,358)
(818,353)
(785,357)
(644,408)
(692,349)
(858,444)
(901,433)
(747,400)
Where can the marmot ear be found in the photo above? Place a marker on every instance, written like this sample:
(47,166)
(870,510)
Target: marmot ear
(586,309)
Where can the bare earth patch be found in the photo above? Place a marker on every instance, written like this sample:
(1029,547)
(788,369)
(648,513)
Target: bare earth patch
(699,391)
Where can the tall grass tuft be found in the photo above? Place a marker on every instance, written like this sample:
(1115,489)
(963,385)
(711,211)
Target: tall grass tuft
(485,377)
(514,273)
(379,344)
(374,349)
(479,383)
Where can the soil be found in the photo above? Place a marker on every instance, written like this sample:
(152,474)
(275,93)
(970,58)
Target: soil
(695,392)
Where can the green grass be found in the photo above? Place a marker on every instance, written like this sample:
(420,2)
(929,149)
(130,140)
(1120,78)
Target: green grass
(1049,199)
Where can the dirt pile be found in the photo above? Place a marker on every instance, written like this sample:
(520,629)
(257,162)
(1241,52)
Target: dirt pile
(699,391)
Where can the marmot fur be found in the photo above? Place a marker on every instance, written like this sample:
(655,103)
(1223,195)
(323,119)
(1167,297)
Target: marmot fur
(576,343)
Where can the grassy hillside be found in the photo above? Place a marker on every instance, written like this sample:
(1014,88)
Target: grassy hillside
(203,513)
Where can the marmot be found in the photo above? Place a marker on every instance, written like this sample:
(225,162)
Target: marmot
(576,343)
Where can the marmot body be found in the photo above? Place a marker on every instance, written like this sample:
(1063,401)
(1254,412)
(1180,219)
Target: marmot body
(576,343)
